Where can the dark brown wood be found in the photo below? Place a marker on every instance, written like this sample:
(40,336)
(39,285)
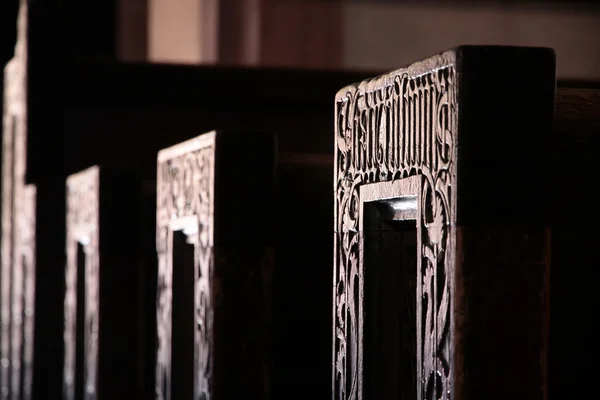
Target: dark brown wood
(148,107)
(301,288)
(18,300)
(91,105)
(300,33)
(156,106)
(47,263)
(574,221)
(252,343)
(13,209)
(293,33)
(108,331)
(127,112)
(226,218)
(32,297)
(437,139)
(25,332)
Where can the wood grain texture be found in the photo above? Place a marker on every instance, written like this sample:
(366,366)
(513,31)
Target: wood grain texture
(226,218)
(14,128)
(83,226)
(104,227)
(574,221)
(438,120)
(143,108)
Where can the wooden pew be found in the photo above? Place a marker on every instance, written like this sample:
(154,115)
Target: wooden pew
(214,240)
(147,107)
(503,237)
(301,282)
(566,294)
(106,331)
(144,124)
(302,124)
(269,271)
(88,113)
(446,161)
(19,298)
(574,270)
(180,120)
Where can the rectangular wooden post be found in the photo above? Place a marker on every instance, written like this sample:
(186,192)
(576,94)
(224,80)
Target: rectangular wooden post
(20,301)
(143,108)
(214,192)
(458,143)
(16,201)
(301,288)
(575,222)
(266,296)
(105,332)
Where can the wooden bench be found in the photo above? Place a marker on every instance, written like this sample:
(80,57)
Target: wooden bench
(105,330)
(87,113)
(455,182)
(574,267)
(270,273)
(214,240)
(442,244)
(455,190)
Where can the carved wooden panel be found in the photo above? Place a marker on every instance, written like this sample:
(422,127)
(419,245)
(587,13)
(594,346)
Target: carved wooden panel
(23,290)
(17,227)
(105,323)
(83,191)
(18,362)
(185,202)
(44,255)
(230,270)
(27,266)
(439,123)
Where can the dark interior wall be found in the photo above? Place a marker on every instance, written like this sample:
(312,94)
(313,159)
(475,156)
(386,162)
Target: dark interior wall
(89,26)
(388,34)
(8,29)
(8,37)
(93,24)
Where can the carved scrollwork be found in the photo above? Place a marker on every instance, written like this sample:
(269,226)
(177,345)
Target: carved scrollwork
(185,202)
(13,184)
(26,265)
(83,191)
(392,127)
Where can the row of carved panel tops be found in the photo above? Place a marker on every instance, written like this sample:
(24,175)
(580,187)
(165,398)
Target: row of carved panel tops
(469,120)
(114,113)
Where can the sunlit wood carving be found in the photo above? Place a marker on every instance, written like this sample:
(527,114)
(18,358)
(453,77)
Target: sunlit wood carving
(456,126)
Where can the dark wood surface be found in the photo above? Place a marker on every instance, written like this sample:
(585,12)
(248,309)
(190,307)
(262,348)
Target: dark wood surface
(574,233)
(481,154)
(493,262)
(214,193)
(148,107)
(111,336)
(269,288)
(302,278)
(104,113)
(49,258)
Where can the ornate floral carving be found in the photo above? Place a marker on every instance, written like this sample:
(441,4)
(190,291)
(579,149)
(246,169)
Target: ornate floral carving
(392,127)
(23,298)
(83,190)
(14,141)
(185,202)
